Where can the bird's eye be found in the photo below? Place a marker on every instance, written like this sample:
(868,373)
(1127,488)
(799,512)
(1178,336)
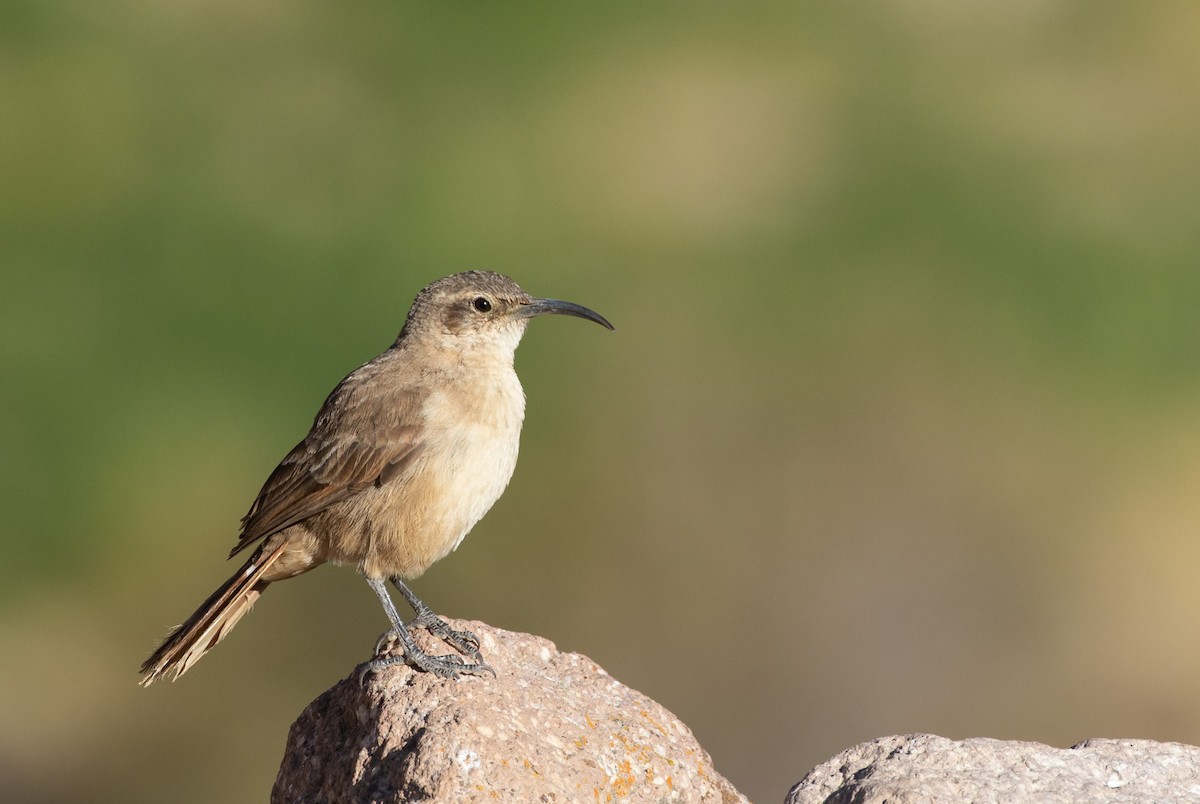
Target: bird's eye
(481,304)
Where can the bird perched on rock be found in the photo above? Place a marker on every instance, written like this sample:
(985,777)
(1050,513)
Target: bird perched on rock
(408,452)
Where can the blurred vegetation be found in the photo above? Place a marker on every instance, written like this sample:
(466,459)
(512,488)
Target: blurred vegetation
(899,430)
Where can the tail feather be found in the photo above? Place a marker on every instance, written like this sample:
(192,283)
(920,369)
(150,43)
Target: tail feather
(215,618)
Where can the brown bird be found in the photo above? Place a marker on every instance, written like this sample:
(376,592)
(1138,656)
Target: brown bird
(408,452)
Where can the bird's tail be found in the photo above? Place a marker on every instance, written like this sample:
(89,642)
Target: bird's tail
(215,618)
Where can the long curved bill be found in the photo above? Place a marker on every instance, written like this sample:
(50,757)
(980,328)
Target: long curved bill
(556,307)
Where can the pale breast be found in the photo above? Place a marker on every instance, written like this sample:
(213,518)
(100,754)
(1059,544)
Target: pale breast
(469,446)
(480,437)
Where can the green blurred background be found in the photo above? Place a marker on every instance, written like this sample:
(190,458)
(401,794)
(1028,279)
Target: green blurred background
(899,430)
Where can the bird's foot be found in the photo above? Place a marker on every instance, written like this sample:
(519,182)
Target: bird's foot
(448,666)
(465,642)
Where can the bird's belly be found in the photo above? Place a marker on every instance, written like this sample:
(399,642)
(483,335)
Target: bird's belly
(461,472)
(474,473)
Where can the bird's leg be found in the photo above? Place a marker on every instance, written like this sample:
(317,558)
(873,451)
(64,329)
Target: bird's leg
(464,642)
(450,666)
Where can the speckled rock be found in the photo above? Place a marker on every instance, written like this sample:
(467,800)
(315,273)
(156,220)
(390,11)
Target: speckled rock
(549,727)
(925,768)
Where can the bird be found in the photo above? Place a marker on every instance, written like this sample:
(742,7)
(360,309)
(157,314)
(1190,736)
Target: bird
(407,453)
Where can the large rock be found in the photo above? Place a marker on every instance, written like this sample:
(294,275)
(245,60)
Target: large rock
(549,726)
(925,768)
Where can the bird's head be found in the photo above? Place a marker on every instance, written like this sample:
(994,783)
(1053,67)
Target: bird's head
(481,312)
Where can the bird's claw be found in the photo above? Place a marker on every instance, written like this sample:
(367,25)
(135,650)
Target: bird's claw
(447,666)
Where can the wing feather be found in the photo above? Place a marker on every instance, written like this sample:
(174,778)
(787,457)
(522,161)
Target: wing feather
(335,461)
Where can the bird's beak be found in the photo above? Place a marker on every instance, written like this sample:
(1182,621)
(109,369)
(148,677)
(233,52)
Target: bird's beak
(556,307)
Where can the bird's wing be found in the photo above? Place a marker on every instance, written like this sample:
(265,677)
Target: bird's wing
(333,463)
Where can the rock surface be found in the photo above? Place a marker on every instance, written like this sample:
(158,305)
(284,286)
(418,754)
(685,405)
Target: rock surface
(926,768)
(549,727)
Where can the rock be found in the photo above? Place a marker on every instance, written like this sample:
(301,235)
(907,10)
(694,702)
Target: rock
(549,726)
(926,768)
